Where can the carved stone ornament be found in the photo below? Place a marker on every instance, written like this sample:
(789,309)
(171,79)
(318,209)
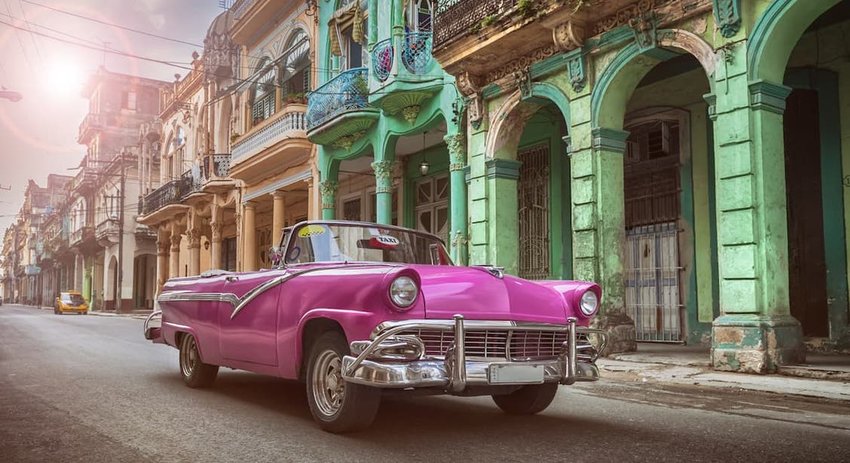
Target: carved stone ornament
(475,110)
(523,62)
(568,36)
(216,228)
(644,29)
(468,84)
(625,15)
(727,14)
(175,243)
(328,190)
(523,83)
(577,70)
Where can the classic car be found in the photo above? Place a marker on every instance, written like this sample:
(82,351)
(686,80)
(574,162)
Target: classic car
(70,301)
(353,309)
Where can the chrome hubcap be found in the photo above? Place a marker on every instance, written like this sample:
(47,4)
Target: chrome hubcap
(328,384)
(188,357)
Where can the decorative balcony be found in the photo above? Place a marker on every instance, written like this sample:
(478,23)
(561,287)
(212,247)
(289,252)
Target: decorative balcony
(212,176)
(91,124)
(290,122)
(81,235)
(338,112)
(107,231)
(405,73)
(168,194)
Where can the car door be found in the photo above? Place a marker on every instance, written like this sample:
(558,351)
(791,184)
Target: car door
(248,326)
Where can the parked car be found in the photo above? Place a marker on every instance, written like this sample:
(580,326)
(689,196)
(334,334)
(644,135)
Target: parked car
(70,301)
(353,309)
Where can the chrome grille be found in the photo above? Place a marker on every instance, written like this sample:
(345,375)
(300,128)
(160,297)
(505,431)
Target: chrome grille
(516,345)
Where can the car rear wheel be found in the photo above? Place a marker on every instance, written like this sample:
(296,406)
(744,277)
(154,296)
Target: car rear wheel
(337,406)
(527,400)
(196,373)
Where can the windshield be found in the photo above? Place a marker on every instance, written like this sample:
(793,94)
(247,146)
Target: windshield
(72,299)
(362,243)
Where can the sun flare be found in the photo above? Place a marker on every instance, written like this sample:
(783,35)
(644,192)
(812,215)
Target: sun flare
(64,77)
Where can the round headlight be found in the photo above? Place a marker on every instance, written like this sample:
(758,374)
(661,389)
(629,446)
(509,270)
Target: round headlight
(589,303)
(403,291)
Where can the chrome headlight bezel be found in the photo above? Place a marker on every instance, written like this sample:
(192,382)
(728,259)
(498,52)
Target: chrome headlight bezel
(403,292)
(589,303)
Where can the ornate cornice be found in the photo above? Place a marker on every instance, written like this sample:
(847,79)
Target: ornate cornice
(768,96)
(523,62)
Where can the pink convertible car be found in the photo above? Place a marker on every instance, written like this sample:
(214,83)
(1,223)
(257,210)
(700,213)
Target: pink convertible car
(355,308)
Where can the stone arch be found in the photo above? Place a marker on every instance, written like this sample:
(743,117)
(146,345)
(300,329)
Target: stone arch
(776,33)
(632,63)
(508,123)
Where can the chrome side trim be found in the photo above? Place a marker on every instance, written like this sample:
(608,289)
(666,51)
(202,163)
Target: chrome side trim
(186,296)
(260,289)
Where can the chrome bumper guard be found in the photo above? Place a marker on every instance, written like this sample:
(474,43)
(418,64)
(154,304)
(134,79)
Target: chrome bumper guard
(153,325)
(398,362)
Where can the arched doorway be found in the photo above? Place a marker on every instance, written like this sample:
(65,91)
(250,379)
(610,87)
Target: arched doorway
(653,100)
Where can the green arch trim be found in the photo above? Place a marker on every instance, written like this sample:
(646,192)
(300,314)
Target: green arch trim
(555,95)
(776,23)
(624,57)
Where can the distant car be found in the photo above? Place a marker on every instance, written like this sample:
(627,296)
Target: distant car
(355,308)
(70,301)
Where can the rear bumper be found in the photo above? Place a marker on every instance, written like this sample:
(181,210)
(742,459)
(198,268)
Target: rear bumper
(153,327)
(374,366)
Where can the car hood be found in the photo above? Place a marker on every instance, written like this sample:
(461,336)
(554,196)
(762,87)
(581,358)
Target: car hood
(477,294)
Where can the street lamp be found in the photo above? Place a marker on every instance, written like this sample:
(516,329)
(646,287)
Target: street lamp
(10,95)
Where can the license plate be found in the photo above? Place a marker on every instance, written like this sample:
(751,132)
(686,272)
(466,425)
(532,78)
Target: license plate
(512,373)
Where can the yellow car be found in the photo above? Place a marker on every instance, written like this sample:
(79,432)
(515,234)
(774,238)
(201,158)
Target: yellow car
(70,301)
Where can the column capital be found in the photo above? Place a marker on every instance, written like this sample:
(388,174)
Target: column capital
(216,228)
(457,151)
(194,237)
(383,175)
(607,139)
(277,194)
(711,99)
(175,243)
(250,205)
(328,190)
(768,96)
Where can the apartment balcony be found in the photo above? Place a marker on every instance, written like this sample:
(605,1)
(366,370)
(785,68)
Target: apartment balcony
(107,231)
(81,237)
(165,200)
(144,232)
(404,74)
(91,125)
(338,112)
(482,37)
(213,175)
(273,145)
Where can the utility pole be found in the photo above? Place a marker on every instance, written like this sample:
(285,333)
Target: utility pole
(120,301)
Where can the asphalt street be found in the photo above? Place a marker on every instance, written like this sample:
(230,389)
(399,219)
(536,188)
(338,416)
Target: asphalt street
(89,388)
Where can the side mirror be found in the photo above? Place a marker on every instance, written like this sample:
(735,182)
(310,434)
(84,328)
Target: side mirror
(275,255)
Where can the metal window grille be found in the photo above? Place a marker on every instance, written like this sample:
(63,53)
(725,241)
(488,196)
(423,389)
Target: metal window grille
(533,214)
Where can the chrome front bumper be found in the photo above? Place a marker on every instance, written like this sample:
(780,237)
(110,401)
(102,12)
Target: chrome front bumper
(153,326)
(377,365)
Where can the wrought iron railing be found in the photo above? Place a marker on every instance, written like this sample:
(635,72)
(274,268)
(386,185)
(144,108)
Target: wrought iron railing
(80,234)
(216,166)
(382,59)
(348,91)
(170,193)
(282,126)
(416,54)
(453,18)
(91,121)
(108,226)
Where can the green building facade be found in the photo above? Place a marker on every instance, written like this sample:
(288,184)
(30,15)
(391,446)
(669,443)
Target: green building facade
(691,156)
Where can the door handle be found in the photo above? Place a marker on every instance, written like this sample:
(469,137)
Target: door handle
(231,278)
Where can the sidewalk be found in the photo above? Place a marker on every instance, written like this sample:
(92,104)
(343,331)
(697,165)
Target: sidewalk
(823,376)
(137,314)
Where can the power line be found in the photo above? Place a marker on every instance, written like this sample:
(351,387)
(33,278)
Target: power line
(32,37)
(107,23)
(21,43)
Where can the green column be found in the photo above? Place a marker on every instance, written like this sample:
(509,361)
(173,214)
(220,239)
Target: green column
(384,190)
(457,180)
(502,176)
(755,332)
(598,218)
(328,190)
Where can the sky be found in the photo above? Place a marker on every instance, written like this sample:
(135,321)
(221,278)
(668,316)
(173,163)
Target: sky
(38,133)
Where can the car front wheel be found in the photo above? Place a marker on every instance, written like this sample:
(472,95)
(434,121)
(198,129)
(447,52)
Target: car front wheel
(196,373)
(527,400)
(337,406)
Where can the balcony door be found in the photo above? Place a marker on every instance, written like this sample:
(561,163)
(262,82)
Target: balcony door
(432,205)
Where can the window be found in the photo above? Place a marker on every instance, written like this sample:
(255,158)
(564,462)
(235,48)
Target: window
(128,100)
(264,93)
(418,16)
(296,68)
